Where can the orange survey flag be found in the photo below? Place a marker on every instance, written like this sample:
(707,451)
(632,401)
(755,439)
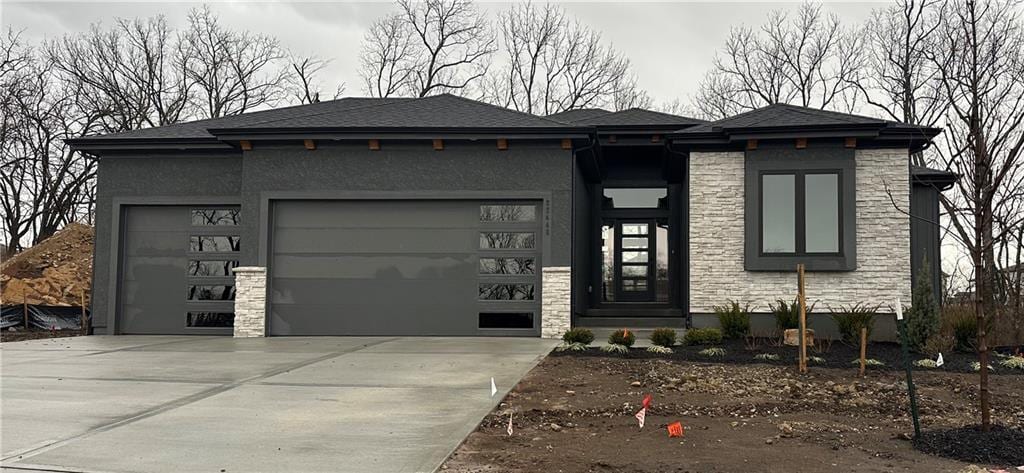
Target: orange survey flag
(675,429)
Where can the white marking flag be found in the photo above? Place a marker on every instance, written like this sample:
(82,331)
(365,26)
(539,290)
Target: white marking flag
(939,362)
(509,424)
(494,389)
(640,416)
(899,309)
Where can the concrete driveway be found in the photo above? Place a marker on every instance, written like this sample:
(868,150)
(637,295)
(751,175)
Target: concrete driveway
(163,403)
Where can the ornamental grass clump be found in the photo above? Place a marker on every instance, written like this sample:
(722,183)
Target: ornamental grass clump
(619,342)
(927,363)
(870,362)
(766,357)
(713,352)
(1015,362)
(787,315)
(734,319)
(850,319)
(816,360)
(576,339)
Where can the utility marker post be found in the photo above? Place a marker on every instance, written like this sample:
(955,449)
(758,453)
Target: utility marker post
(906,364)
(803,317)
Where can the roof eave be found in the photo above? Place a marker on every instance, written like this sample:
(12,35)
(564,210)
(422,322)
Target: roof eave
(342,132)
(98,144)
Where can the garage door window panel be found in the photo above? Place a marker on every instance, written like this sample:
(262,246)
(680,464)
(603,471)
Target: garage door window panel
(211,268)
(507,266)
(200,319)
(506,320)
(214,243)
(211,293)
(215,217)
(508,213)
(506,292)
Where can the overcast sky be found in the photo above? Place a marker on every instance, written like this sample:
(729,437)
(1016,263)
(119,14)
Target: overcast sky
(671,44)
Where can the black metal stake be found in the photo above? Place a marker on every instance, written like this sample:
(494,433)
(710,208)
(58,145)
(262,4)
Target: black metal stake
(910,376)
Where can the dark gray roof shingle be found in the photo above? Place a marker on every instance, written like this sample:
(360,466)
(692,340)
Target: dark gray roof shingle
(638,117)
(435,112)
(573,116)
(782,115)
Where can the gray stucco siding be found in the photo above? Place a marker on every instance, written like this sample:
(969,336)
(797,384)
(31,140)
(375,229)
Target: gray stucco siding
(163,179)
(339,171)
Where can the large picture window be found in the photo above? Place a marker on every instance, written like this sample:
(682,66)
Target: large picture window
(800,213)
(800,208)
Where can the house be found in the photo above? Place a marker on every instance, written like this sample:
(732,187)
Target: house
(446,216)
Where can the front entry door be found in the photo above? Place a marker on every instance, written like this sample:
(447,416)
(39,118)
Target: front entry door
(635,257)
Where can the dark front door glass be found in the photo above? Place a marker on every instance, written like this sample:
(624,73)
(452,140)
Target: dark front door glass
(634,261)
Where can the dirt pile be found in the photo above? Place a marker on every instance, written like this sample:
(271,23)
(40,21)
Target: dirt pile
(54,272)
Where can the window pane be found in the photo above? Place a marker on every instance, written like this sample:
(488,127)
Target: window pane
(211,268)
(506,320)
(490,240)
(640,243)
(215,216)
(633,270)
(506,265)
(608,263)
(635,285)
(661,264)
(213,243)
(634,229)
(508,213)
(634,256)
(778,210)
(211,293)
(506,292)
(210,319)
(822,212)
(636,198)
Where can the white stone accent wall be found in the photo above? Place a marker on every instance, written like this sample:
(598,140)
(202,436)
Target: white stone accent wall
(250,301)
(556,301)
(717,233)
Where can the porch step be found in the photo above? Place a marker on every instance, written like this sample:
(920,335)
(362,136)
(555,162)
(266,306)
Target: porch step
(625,321)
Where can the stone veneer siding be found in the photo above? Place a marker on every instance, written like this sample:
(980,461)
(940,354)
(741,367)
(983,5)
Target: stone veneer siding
(716,238)
(250,301)
(556,301)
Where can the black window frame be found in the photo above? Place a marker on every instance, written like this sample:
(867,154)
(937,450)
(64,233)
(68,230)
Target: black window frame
(825,158)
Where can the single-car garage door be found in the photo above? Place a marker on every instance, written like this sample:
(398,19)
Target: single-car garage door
(405,267)
(176,264)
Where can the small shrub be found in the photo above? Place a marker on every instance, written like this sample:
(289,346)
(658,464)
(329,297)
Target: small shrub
(850,319)
(938,343)
(702,336)
(577,346)
(661,350)
(822,345)
(578,335)
(787,315)
(923,318)
(663,337)
(713,352)
(766,357)
(926,363)
(734,319)
(870,362)
(1013,362)
(963,324)
(751,343)
(622,337)
(615,348)
(816,360)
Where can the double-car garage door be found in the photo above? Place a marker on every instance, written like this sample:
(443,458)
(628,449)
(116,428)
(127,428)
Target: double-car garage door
(388,267)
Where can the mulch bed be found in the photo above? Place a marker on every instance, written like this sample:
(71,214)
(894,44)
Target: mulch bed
(836,355)
(998,446)
(22,335)
(574,413)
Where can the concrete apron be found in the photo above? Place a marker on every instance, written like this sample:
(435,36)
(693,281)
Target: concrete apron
(148,403)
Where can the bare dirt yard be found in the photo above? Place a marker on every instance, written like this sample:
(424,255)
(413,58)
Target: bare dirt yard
(575,413)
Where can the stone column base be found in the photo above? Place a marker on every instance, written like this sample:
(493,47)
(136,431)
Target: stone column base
(250,301)
(556,301)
